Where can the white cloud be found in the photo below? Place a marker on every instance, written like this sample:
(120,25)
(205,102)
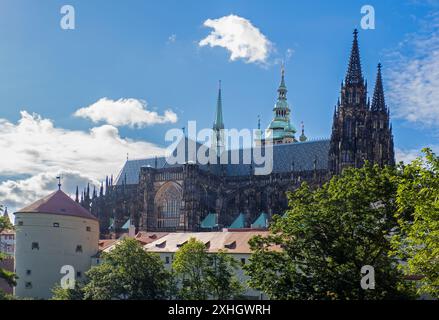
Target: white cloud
(408,155)
(18,193)
(240,37)
(413,77)
(35,149)
(172,38)
(124,112)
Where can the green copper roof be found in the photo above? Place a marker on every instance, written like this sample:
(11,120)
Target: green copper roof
(127,224)
(239,222)
(261,221)
(111,224)
(219,123)
(210,221)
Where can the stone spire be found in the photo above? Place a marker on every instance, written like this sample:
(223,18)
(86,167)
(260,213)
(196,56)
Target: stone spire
(378,101)
(354,75)
(77,195)
(6,215)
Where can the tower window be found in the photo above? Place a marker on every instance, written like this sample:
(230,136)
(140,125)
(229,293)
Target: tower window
(167,260)
(88,229)
(243,261)
(28,285)
(28,272)
(79,274)
(35,245)
(78,248)
(20,223)
(56,225)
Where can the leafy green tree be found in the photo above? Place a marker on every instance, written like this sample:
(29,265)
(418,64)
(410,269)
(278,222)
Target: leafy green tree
(67,294)
(128,272)
(190,265)
(418,218)
(204,275)
(317,250)
(5,224)
(220,276)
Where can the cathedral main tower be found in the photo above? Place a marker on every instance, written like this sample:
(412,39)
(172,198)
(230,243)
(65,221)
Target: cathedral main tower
(360,131)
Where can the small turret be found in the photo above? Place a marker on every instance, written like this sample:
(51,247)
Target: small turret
(302,137)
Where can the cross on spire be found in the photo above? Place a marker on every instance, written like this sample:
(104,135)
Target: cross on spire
(354,74)
(378,100)
(59,181)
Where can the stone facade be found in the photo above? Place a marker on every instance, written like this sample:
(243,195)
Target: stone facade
(156,196)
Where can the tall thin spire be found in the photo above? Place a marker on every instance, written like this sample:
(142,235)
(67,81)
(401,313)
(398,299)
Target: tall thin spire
(6,215)
(378,100)
(219,123)
(282,87)
(218,126)
(77,195)
(354,74)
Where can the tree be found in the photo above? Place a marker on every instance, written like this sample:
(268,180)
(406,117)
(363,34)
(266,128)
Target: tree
(190,266)
(5,224)
(221,279)
(317,250)
(417,241)
(204,275)
(60,293)
(128,272)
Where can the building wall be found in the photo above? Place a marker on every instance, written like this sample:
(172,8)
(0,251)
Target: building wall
(39,269)
(7,243)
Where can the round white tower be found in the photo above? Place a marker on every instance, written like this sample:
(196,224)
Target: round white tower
(53,233)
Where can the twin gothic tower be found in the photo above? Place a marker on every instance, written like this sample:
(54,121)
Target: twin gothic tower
(361,131)
(155,196)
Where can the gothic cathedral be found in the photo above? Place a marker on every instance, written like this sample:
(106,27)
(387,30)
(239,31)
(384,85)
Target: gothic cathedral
(152,195)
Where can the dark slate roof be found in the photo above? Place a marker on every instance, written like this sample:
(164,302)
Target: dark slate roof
(300,156)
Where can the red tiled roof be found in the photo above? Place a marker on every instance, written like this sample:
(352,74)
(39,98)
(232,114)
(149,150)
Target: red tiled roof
(148,237)
(231,241)
(8,232)
(105,243)
(58,203)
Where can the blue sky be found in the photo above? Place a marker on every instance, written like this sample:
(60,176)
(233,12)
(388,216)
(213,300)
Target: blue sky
(149,50)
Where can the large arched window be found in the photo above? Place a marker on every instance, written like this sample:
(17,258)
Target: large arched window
(167,203)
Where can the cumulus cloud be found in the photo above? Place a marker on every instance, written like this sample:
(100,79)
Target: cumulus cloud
(413,77)
(125,112)
(240,37)
(36,151)
(19,193)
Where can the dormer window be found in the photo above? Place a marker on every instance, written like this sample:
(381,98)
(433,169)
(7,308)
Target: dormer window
(181,244)
(231,245)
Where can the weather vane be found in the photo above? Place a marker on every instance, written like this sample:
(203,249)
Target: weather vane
(59,182)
